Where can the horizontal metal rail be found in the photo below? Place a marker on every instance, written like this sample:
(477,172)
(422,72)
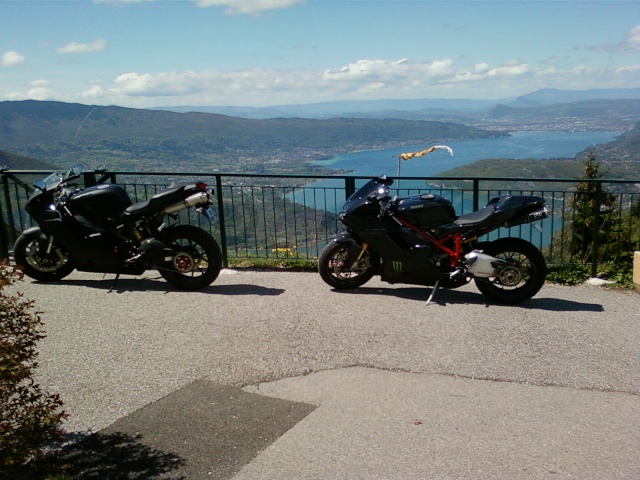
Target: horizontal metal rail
(294,216)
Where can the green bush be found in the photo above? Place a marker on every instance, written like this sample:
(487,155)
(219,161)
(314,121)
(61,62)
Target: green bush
(30,419)
(576,274)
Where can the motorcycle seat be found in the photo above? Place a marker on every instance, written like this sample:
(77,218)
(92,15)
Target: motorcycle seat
(475,217)
(136,207)
(160,198)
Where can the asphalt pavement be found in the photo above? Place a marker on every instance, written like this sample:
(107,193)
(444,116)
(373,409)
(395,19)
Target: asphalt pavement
(274,375)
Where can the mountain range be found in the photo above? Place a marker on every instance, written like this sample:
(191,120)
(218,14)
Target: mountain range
(467,109)
(63,134)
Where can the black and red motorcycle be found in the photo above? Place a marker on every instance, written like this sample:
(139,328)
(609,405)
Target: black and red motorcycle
(99,229)
(420,240)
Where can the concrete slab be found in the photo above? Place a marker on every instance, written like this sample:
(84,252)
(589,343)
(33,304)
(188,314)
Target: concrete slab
(373,424)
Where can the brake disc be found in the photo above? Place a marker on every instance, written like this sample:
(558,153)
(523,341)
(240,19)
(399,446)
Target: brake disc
(510,276)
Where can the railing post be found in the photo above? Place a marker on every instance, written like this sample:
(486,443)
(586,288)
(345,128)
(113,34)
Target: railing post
(349,187)
(89,179)
(223,228)
(10,225)
(476,194)
(4,241)
(595,229)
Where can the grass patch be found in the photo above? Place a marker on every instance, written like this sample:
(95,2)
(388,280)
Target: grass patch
(576,274)
(568,274)
(271,264)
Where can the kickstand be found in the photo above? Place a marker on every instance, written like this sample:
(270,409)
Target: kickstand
(433,292)
(115,280)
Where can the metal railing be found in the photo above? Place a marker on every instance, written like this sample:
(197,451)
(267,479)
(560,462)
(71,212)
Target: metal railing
(294,216)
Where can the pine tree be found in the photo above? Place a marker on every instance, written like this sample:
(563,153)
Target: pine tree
(596,224)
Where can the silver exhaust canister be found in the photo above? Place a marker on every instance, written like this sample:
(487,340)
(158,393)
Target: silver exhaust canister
(482,265)
(191,201)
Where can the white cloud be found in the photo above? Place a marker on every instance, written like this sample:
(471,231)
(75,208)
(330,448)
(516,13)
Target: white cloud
(248,7)
(32,94)
(385,71)
(115,2)
(40,83)
(359,80)
(482,71)
(75,47)
(630,43)
(509,70)
(162,84)
(95,92)
(11,59)
(628,69)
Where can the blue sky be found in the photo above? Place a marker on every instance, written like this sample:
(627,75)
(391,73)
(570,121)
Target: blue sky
(275,52)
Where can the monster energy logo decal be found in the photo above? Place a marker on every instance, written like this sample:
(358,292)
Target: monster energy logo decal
(397,266)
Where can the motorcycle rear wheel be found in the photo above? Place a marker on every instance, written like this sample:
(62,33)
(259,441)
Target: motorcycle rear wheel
(197,261)
(40,265)
(334,271)
(521,279)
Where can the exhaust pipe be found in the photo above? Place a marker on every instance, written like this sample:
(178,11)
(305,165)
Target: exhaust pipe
(539,214)
(482,265)
(191,201)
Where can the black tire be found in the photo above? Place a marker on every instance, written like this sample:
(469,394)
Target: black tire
(521,279)
(334,271)
(37,264)
(198,261)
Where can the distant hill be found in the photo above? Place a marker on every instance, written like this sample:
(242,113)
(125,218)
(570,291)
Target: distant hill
(623,154)
(456,110)
(65,134)
(580,115)
(620,160)
(19,162)
(337,109)
(553,96)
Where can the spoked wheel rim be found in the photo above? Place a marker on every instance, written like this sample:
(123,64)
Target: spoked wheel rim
(45,262)
(30,252)
(339,271)
(516,274)
(195,260)
(190,259)
(522,276)
(185,263)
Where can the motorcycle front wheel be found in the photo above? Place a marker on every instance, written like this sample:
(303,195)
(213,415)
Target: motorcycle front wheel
(37,263)
(521,278)
(333,268)
(196,261)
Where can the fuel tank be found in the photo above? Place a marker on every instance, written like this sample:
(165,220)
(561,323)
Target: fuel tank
(426,210)
(105,201)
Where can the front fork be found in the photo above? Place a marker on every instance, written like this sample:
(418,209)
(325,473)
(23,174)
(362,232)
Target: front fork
(49,245)
(361,253)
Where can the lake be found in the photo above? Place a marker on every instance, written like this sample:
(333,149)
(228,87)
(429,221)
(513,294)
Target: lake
(520,145)
(329,194)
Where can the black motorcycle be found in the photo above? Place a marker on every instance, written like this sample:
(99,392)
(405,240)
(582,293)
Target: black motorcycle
(420,240)
(99,229)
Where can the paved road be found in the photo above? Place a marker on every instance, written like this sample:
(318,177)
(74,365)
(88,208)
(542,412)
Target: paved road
(274,375)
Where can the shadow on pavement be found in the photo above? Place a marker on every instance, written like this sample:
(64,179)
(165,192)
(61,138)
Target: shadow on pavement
(117,456)
(146,284)
(444,297)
